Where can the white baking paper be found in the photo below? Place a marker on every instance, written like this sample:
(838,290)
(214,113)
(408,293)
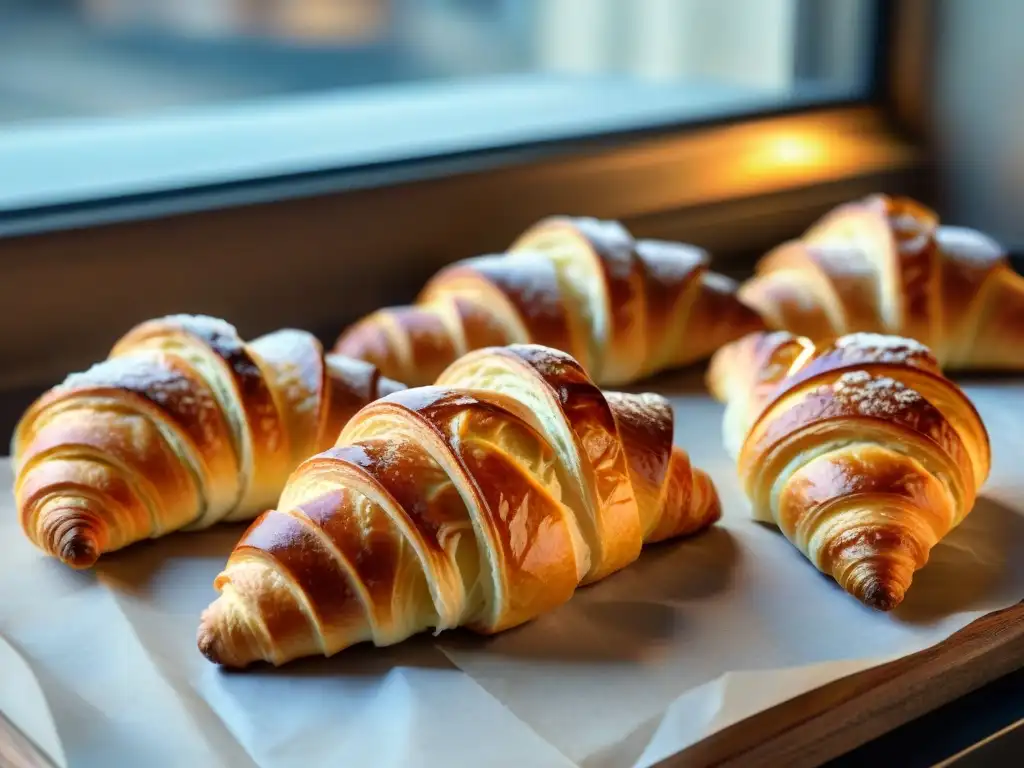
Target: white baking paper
(101,668)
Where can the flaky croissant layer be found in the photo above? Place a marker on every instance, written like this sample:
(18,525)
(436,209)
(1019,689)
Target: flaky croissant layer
(184,425)
(859,449)
(482,501)
(887,265)
(623,308)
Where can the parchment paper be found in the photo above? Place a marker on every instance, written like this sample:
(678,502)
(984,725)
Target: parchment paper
(101,668)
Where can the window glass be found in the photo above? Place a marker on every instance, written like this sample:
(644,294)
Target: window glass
(121,96)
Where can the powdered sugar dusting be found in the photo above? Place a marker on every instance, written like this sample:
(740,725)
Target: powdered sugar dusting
(874,396)
(852,379)
(670,263)
(138,373)
(970,248)
(188,402)
(882,348)
(202,324)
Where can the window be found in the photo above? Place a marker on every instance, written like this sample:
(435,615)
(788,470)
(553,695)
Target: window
(303,162)
(107,98)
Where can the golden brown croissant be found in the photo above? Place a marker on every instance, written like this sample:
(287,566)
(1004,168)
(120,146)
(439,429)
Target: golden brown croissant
(860,450)
(184,425)
(623,308)
(885,265)
(481,502)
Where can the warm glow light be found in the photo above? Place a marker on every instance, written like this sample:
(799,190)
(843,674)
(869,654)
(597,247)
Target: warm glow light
(783,154)
(794,149)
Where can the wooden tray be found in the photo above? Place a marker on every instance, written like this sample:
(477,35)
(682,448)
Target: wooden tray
(829,721)
(16,751)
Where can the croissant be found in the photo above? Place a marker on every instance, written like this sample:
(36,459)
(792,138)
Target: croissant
(859,449)
(623,308)
(886,265)
(184,425)
(482,501)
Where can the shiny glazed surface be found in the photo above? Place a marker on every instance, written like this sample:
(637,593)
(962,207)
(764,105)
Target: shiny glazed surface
(887,265)
(184,425)
(860,450)
(482,501)
(623,308)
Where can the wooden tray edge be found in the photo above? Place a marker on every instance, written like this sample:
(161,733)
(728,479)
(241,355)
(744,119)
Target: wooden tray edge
(829,721)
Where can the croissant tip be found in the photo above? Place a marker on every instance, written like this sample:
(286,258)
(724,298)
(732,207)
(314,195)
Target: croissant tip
(223,640)
(208,640)
(79,548)
(882,596)
(712,504)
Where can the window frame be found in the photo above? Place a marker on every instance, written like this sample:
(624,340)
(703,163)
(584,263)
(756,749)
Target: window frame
(318,252)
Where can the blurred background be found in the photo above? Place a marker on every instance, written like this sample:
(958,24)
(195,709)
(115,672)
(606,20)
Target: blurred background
(101,58)
(103,98)
(302,162)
